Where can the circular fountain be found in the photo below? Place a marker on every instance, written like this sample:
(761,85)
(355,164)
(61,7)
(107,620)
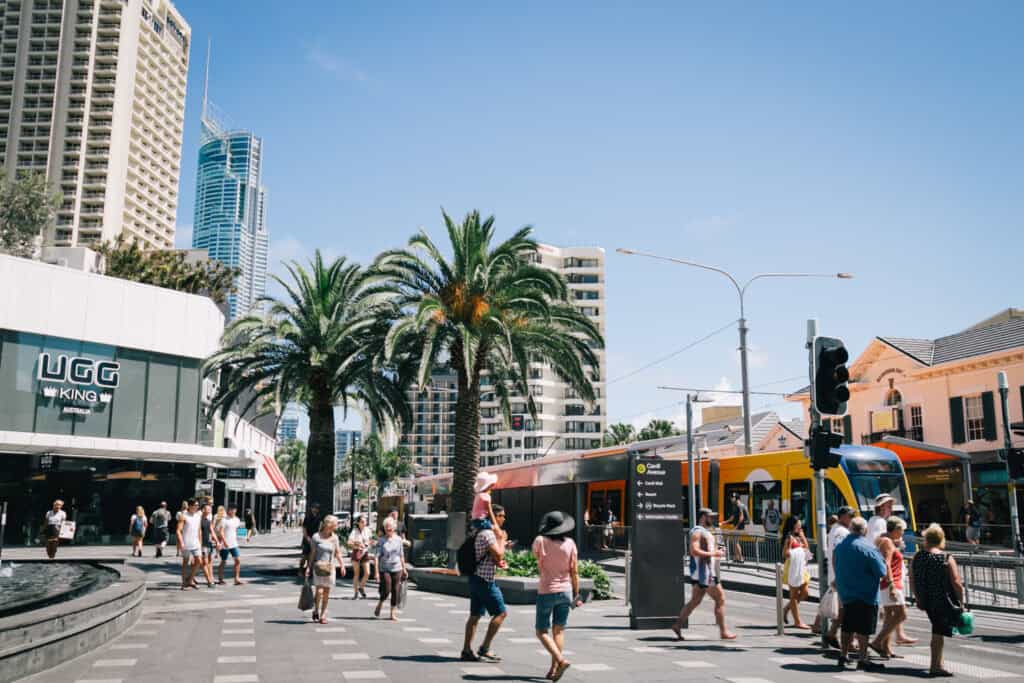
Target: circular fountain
(32,585)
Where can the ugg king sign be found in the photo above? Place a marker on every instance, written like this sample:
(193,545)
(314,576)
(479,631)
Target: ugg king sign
(78,383)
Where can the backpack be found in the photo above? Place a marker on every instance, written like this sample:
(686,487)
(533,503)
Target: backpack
(466,556)
(137,525)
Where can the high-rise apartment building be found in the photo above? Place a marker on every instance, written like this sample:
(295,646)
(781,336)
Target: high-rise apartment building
(92,94)
(345,441)
(288,428)
(230,213)
(430,439)
(564,421)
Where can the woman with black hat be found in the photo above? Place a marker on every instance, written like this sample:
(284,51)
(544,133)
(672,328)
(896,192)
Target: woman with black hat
(559,588)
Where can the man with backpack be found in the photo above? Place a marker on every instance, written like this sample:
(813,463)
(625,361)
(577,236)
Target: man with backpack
(478,558)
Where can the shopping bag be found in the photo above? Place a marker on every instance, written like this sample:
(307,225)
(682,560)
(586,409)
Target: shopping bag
(403,589)
(67,531)
(306,596)
(828,608)
(965,624)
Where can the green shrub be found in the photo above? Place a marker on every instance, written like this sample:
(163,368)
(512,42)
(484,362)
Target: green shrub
(430,559)
(520,563)
(592,570)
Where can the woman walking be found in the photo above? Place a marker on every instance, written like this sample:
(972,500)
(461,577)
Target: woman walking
(935,581)
(250,525)
(178,519)
(137,529)
(795,552)
(321,562)
(559,588)
(390,567)
(52,521)
(359,543)
(890,592)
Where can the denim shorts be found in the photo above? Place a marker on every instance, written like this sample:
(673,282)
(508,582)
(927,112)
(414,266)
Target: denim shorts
(485,596)
(553,608)
(233,552)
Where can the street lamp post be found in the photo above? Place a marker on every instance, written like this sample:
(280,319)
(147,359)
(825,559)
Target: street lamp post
(692,489)
(741,290)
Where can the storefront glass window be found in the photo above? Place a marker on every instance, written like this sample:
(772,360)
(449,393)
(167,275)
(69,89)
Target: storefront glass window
(97,421)
(52,414)
(161,398)
(188,402)
(18,356)
(129,406)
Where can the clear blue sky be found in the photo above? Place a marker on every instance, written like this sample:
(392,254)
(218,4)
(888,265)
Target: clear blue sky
(880,139)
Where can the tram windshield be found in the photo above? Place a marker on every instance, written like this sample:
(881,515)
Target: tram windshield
(867,487)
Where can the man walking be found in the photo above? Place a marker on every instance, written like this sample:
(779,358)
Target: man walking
(160,520)
(859,567)
(484,594)
(971,519)
(702,575)
(839,531)
(228,532)
(191,547)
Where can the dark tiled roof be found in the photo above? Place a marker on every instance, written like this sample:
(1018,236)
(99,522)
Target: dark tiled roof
(977,341)
(728,431)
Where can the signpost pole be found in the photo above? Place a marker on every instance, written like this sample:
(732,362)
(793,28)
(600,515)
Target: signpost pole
(819,479)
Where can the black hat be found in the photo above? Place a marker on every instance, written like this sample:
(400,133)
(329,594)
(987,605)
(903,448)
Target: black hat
(845,510)
(556,523)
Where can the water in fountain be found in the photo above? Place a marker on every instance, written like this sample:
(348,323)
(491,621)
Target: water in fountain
(29,585)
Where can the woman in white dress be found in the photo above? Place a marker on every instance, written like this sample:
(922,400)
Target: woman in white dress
(321,563)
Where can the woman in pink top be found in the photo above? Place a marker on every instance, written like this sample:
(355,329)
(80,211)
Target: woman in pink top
(559,589)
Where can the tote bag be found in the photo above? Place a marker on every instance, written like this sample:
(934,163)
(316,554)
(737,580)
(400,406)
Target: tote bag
(306,596)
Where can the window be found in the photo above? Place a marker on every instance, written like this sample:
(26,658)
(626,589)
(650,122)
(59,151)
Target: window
(974,415)
(916,424)
(766,505)
(893,398)
(800,502)
(834,498)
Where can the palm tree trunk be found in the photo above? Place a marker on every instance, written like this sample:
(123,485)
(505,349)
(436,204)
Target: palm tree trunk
(467,441)
(320,452)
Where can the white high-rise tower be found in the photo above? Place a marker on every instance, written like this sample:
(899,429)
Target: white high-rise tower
(92,93)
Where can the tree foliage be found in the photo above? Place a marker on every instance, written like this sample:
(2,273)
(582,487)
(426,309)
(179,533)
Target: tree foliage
(486,309)
(27,209)
(321,346)
(372,462)
(619,433)
(291,458)
(658,429)
(168,268)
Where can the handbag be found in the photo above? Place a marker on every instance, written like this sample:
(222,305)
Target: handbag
(67,531)
(828,608)
(403,591)
(306,596)
(323,568)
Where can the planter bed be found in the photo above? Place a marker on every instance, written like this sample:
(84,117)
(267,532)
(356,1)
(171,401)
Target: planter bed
(517,590)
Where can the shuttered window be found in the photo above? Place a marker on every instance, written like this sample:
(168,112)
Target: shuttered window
(974,414)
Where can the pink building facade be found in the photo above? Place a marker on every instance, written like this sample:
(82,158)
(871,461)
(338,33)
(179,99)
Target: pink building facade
(943,393)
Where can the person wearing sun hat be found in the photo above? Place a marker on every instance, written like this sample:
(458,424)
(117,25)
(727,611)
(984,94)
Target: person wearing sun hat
(883,511)
(483,515)
(558,590)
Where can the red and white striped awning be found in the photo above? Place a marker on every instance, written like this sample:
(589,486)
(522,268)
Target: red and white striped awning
(277,477)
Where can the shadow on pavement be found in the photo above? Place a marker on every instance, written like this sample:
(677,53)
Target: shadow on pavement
(477,677)
(422,659)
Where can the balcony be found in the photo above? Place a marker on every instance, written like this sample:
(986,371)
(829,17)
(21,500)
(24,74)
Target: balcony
(913,433)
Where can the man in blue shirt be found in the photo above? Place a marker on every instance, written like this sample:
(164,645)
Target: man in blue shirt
(858,568)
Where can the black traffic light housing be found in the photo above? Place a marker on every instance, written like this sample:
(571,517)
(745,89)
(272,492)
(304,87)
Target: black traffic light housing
(822,442)
(830,376)
(1015,463)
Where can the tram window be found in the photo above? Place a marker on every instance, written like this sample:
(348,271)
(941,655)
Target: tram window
(766,508)
(601,502)
(742,489)
(800,501)
(834,498)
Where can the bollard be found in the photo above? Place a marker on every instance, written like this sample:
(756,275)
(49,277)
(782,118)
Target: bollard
(778,598)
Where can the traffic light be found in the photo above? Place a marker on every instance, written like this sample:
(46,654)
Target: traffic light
(822,442)
(830,376)
(1015,463)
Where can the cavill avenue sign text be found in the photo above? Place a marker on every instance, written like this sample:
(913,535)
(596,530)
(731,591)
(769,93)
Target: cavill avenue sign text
(78,383)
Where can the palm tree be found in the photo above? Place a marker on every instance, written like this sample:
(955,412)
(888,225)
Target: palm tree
(657,429)
(619,433)
(375,465)
(291,458)
(321,346)
(487,309)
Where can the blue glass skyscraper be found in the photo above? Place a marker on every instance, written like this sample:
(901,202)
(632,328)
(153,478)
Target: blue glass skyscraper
(230,213)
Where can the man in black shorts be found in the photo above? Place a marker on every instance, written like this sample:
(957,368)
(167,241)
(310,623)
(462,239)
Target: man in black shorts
(703,555)
(859,566)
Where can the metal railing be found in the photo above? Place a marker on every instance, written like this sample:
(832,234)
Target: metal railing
(991,577)
(759,551)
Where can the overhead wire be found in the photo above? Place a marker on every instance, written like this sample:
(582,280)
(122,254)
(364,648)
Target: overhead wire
(673,354)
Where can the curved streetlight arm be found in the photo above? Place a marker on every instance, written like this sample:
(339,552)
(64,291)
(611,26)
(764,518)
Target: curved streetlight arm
(633,252)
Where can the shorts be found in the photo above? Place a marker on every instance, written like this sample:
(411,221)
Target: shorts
(137,534)
(481,523)
(974,533)
(233,552)
(552,608)
(160,534)
(53,532)
(191,552)
(885,599)
(485,596)
(859,617)
(209,550)
(942,625)
(709,581)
